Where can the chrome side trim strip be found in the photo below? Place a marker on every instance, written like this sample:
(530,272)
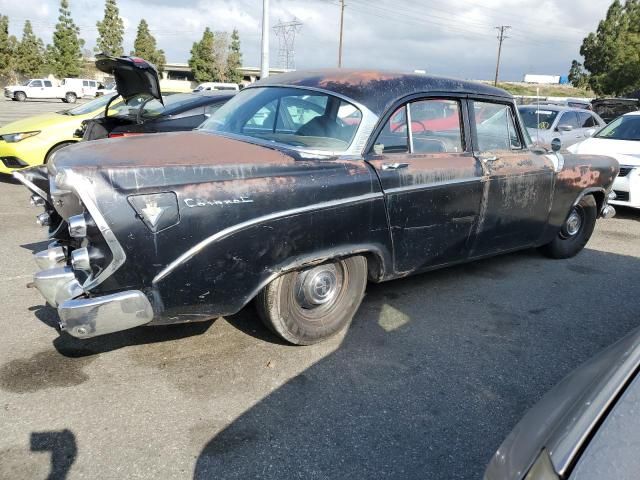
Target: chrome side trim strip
(30,185)
(426,186)
(193,251)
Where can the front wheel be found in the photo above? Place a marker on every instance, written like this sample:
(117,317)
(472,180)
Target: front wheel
(311,305)
(576,231)
(20,96)
(70,97)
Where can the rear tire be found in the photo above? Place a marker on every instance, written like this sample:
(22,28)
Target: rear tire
(313,304)
(70,97)
(20,96)
(576,231)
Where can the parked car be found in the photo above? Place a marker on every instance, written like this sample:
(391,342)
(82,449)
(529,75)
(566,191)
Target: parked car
(611,108)
(68,91)
(106,89)
(33,140)
(209,86)
(621,140)
(587,427)
(277,201)
(562,126)
(581,103)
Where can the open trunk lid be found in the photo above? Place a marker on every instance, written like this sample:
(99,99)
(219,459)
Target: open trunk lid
(134,76)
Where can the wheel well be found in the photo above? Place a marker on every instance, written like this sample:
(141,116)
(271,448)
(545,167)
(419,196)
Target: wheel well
(56,147)
(599,197)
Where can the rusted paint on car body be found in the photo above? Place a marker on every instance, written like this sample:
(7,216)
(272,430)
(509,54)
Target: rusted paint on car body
(248,212)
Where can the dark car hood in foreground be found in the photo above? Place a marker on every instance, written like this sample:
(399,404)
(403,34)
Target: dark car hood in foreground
(565,416)
(177,149)
(134,76)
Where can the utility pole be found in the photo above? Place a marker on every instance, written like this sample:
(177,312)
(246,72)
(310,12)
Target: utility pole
(264,60)
(286,34)
(501,37)
(341,28)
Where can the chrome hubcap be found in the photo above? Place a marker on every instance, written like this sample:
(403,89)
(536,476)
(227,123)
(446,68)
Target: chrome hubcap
(574,222)
(318,286)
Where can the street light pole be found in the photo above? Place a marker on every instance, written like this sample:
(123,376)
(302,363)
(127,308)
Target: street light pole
(341,29)
(264,60)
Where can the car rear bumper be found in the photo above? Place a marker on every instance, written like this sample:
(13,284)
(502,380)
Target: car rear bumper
(81,315)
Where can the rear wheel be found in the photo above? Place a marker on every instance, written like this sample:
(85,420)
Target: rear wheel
(576,231)
(70,97)
(313,304)
(20,96)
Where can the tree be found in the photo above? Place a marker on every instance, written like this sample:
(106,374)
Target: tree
(110,30)
(612,53)
(203,59)
(234,59)
(30,60)
(65,54)
(145,47)
(577,76)
(7,48)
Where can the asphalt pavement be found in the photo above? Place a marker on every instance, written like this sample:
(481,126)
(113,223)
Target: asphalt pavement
(433,374)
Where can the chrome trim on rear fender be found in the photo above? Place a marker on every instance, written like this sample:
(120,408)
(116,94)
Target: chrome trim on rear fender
(90,317)
(189,254)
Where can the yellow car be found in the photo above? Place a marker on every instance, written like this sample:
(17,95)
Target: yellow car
(31,141)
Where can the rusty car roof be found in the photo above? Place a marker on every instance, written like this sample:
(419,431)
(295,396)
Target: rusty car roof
(377,89)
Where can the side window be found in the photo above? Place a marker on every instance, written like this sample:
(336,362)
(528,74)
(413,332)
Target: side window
(47,83)
(92,84)
(569,119)
(587,120)
(436,126)
(85,83)
(263,119)
(495,127)
(394,137)
(36,83)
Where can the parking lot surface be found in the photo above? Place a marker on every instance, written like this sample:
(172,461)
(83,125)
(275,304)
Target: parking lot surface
(11,111)
(433,374)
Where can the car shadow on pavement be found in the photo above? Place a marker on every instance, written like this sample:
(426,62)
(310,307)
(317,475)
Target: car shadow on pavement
(36,247)
(434,371)
(5,178)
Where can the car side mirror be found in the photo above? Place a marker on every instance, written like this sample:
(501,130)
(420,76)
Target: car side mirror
(565,128)
(556,144)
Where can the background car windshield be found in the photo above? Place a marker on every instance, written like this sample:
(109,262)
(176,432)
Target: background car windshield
(622,128)
(292,116)
(538,118)
(91,106)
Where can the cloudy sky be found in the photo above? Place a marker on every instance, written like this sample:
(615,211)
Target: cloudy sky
(445,37)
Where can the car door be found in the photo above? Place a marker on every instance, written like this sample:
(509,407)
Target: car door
(36,89)
(589,124)
(431,181)
(519,183)
(570,128)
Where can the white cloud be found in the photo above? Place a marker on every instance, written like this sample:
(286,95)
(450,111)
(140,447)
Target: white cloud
(454,37)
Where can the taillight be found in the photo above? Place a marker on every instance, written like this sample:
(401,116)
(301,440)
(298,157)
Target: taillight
(124,134)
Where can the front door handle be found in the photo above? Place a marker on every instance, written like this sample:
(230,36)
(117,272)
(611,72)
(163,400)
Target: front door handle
(394,166)
(488,159)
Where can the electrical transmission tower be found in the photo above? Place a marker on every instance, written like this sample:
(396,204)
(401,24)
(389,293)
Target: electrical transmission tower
(286,33)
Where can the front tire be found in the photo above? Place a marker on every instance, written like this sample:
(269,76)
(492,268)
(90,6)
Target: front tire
(576,231)
(310,305)
(20,96)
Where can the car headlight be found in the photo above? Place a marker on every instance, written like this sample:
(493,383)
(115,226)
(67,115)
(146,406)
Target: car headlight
(18,137)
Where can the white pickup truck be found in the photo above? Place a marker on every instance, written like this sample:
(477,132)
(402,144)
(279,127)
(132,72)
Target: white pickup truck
(69,90)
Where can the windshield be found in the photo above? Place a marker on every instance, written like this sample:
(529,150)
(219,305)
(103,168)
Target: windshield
(292,116)
(537,118)
(622,128)
(26,83)
(91,106)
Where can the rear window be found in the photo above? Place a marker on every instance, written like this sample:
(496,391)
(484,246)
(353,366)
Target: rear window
(537,118)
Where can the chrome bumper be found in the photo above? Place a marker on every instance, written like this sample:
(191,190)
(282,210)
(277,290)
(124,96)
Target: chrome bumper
(608,212)
(86,317)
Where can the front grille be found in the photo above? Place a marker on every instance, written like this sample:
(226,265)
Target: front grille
(621,196)
(624,171)
(13,162)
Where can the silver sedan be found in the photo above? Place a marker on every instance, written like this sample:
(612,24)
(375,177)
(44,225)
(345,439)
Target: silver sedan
(555,127)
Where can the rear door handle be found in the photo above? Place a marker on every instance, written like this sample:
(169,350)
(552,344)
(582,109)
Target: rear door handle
(394,166)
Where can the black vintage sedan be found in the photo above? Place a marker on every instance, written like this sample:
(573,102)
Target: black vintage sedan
(296,193)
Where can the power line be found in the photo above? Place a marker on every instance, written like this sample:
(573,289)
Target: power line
(501,38)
